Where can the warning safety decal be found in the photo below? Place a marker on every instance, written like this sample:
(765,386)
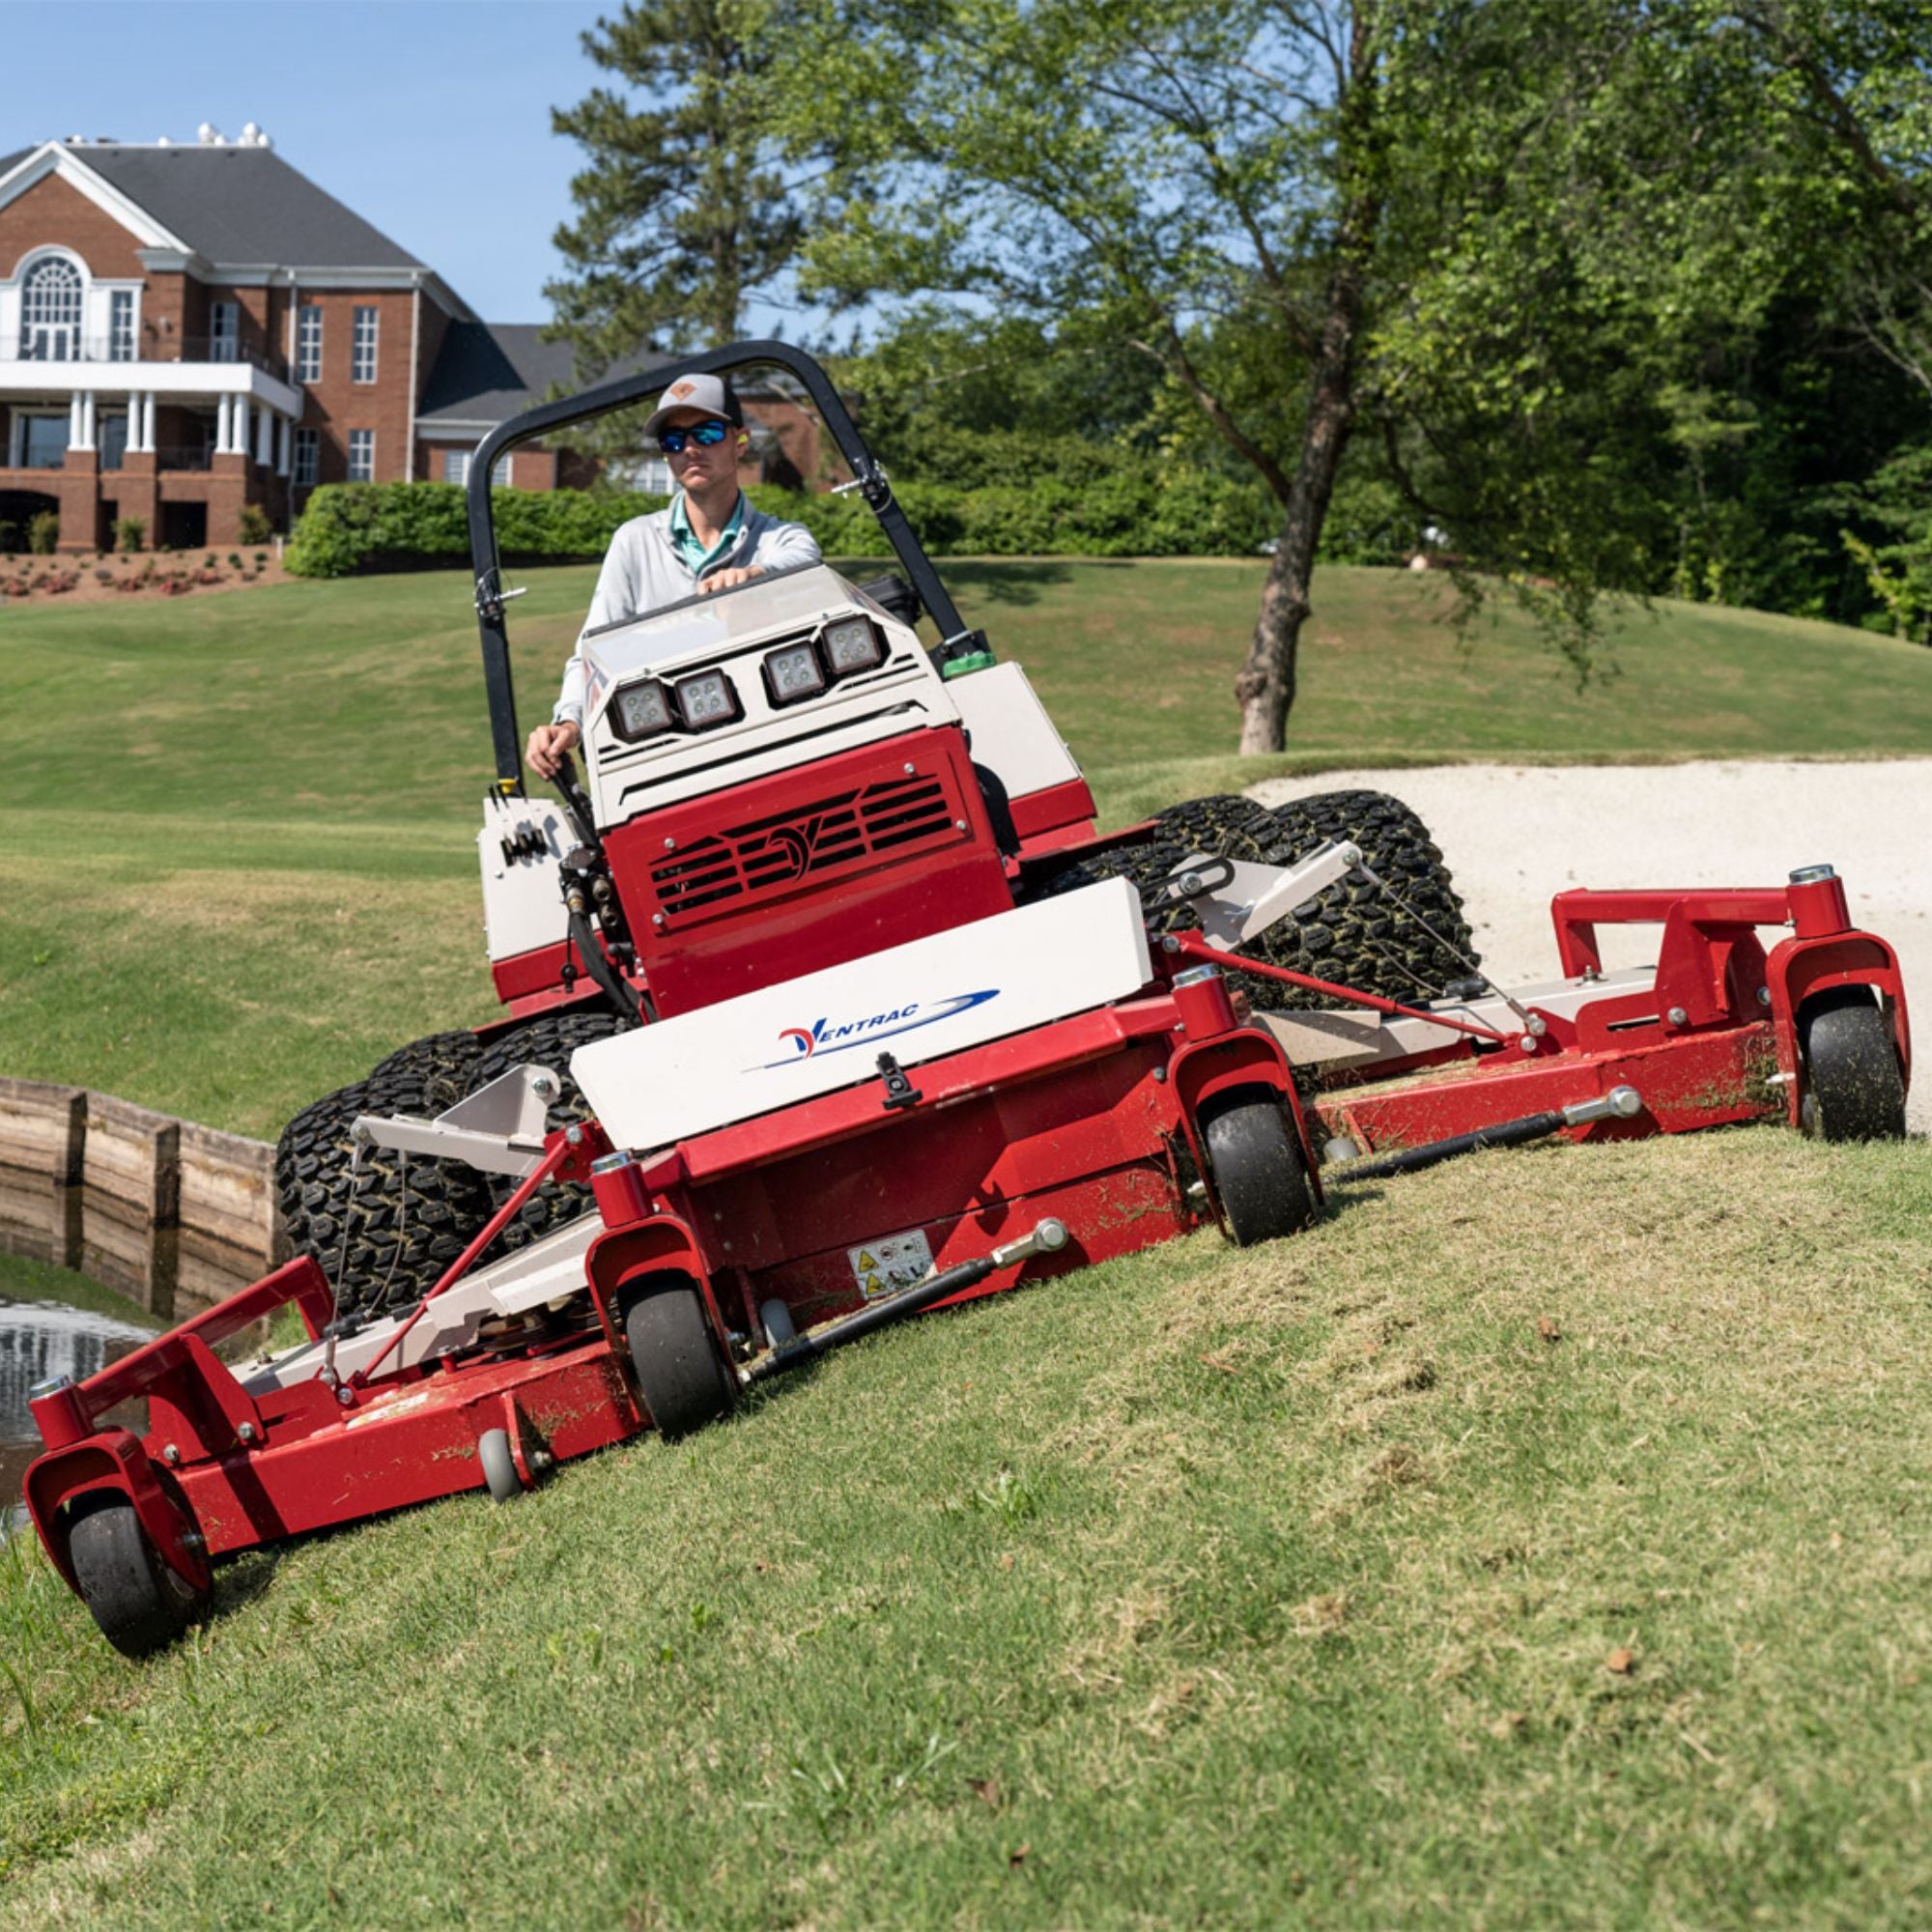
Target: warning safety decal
(891,1262)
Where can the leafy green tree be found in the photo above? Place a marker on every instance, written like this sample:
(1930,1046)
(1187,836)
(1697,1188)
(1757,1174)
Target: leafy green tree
(1149,165)
(1486,237)
(684,210)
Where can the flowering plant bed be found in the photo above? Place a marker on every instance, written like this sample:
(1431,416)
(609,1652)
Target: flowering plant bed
(101,578)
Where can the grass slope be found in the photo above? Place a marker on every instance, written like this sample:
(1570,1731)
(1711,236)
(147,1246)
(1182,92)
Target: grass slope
(239,862)
(1202,1588)
(1315,1585)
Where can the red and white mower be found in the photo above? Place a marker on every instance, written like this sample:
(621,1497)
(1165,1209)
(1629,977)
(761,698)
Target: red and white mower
(826,1005)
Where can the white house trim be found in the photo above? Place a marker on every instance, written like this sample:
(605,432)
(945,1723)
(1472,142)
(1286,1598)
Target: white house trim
(162,379)
(51,158)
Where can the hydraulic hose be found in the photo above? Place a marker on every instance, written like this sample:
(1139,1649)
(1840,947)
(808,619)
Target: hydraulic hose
(595,963)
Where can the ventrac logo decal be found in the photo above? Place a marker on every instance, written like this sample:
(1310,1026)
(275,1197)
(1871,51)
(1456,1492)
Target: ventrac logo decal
(829,1036)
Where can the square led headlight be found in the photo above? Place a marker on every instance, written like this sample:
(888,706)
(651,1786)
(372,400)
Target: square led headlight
(706,700)
(641,711)
(792,673)
(853,645)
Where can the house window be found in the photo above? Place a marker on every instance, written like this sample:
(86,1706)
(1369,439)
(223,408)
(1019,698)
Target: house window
(224,330)
(308,455)
(456,468)
(361,456)
(308,344)
(113,440)
(41,439)
(50,311)
(121,325)
(362,348)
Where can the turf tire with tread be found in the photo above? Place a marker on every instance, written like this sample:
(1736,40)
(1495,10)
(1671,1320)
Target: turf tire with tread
(547,1041)
(385,1229)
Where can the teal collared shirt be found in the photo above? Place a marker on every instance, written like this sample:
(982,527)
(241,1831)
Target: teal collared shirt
(690,548)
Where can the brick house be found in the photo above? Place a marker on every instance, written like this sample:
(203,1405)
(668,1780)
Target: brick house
(188,328)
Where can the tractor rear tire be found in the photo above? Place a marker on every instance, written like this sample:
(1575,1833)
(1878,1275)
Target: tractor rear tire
(384,1229)
(684,1379)
(444,1062)
(1354,933)
(1223,827)
(1854,1089)
(137,1597)
(1258,1169)
(547,1041)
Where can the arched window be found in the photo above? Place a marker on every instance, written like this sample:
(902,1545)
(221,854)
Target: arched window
(51,299)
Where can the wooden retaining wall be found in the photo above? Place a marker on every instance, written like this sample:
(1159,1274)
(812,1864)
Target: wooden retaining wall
(160,1208)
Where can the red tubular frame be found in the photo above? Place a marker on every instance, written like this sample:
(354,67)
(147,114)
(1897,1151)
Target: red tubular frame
(1193,947)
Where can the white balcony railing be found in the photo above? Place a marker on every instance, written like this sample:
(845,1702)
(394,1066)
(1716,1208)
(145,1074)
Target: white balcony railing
(65,346)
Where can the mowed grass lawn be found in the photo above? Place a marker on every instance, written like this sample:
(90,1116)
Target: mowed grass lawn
(1538,1541)
(239,862)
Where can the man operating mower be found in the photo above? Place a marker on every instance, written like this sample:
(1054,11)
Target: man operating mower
(709,539)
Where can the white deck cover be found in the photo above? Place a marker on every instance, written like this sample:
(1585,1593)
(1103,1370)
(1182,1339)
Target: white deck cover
(918,1001)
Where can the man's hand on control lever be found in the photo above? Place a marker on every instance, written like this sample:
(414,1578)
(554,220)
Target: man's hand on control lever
(549,746)
(727,579)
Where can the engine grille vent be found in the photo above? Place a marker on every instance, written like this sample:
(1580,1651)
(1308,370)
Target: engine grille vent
(894,818)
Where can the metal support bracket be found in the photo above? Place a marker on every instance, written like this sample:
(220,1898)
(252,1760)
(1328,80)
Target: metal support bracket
(1239,900)
(499,1128)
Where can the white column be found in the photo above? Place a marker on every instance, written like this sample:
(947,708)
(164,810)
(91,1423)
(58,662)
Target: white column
(148,421)
(89,421)
(265,437)
(224,419)
(241,443)
(74,441)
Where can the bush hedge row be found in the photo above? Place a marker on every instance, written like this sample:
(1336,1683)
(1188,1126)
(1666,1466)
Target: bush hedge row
(1163,511)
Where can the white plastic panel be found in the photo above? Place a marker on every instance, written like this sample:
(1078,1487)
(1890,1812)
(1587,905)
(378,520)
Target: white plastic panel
(918,1001)
(522,896)
(1010,731)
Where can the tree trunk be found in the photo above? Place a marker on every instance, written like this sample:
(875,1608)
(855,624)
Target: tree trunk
(1265,687)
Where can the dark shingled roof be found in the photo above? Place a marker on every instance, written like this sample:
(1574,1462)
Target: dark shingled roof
(245,205)
(488,371)
(9,162)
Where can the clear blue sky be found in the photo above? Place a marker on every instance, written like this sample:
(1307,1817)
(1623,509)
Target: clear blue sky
(430,118)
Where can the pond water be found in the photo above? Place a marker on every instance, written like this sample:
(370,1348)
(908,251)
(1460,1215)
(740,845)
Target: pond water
(53,1323)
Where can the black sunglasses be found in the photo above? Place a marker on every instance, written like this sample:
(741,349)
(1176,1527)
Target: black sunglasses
(705,435)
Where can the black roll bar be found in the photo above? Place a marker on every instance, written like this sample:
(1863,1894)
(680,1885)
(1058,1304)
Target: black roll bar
(647,385)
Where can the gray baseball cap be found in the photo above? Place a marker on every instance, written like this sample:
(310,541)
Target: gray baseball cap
(709,394)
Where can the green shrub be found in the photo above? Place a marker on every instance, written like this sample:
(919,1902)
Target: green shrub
(44,532)
(1145,510)
(348,527)
(129,534)
(255,527)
